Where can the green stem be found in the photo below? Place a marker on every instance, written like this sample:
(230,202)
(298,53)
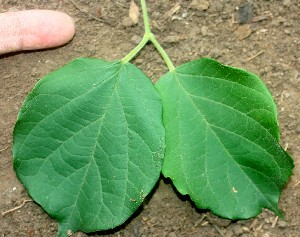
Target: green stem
(162,52)
(148,36)
(137,49)
(146,18)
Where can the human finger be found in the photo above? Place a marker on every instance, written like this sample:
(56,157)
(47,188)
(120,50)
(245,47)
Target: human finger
(34,29)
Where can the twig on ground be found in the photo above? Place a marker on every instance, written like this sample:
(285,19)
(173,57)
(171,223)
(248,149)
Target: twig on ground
(16,208)
(296,184)
(5,148)
(260,227)
(199,221)
(282,94)
(286,146)
(274,222)
(218,229)
(254,56)
(267,15)
(253,224)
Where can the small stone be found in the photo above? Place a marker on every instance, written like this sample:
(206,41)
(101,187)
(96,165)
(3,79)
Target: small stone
(287,3)
(218,6)
(297,129)
(267,235)
(139,61)
(266,227)
(136,39)
(69,233)
(184,15)
(279,20)
(201,5)
(229,233)
(287,95)
(204,30)
(171,39)
(172,234)
(237,230)
(281,224)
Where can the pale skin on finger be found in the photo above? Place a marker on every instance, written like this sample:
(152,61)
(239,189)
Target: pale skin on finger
(34,29)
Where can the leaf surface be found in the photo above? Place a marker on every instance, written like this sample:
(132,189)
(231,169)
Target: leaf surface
(222,139)
(89,143)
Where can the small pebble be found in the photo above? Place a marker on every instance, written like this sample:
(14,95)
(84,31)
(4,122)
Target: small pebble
(237,230)
(136,39)
(204,30)
(287,3)
(279,20)
(200,5)
(172,234)
(281,224)
(171,39)
(139,61)
(184,15)
(229,233)
(218,6)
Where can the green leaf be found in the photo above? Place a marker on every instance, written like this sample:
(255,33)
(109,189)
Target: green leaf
(89,143)
(222,139)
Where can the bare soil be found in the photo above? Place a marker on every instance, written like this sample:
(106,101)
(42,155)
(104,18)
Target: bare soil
(262,37)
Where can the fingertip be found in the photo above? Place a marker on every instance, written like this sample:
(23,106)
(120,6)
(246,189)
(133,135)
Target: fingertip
(45,29)
(34,29)
(63,27)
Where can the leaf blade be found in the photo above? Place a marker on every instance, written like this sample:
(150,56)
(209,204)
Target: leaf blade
(92,133)
(219,121)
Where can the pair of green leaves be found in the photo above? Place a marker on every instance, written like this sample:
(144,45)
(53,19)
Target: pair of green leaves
(92,138)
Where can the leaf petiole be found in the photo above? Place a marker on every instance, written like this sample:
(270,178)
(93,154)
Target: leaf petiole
(162,52)
(137,49)
(148,36)
(145,17)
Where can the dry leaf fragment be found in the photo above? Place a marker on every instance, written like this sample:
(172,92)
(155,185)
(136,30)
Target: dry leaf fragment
(172,11)
(243,31)
(134,12)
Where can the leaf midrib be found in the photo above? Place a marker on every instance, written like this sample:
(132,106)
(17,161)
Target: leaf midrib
(92,156)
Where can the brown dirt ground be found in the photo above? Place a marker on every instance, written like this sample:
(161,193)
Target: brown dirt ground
(267,44)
